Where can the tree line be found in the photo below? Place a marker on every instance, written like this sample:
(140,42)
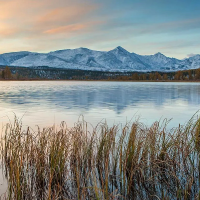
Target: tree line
(16,73)
(6,74)
(186,75)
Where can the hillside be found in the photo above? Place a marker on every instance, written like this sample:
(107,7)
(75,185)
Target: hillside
(116,60)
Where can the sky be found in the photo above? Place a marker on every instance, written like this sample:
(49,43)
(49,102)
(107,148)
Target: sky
(171,27)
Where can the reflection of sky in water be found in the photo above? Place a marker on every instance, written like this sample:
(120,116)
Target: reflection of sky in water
(46,103)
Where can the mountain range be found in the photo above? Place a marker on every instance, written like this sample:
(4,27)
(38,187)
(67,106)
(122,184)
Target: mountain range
(117,59)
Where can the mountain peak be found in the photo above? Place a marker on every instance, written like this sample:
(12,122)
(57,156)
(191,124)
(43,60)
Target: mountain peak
(118,59)
(120,49)
(195,57)
(159,54)
(83,48)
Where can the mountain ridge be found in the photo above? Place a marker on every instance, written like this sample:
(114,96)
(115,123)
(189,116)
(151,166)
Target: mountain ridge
(118,59)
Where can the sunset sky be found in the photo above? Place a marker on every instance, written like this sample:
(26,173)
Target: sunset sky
(141,26)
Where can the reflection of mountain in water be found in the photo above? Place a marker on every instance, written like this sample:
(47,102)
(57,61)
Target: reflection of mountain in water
(87,95)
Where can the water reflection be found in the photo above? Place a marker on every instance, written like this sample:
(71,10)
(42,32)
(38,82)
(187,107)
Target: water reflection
(45,103)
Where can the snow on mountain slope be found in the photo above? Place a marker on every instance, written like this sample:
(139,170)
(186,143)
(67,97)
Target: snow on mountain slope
(117,59)
(193,62)
(76,55)
(11,57)
(160,62)
(2,60)
(81,56)
(37,59)
(129,61)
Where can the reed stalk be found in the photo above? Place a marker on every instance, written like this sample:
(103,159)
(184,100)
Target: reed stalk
(136,162)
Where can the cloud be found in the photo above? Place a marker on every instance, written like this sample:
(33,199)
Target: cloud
(65,14)
(35,17)
(146,25)
(67,29)
(8,32)
(42,25)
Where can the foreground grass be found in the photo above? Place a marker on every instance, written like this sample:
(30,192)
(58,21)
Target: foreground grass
(136,162)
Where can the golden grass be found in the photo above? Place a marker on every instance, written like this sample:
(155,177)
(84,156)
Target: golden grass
(136,162)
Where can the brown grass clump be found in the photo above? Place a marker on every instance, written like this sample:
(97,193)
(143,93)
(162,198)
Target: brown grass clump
(136,162)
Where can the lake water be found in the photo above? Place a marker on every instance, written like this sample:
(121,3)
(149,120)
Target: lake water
(50,102)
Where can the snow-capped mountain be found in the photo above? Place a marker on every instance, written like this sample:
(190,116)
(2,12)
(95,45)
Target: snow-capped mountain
(117,59)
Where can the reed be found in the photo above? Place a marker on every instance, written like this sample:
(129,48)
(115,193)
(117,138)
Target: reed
(134,162)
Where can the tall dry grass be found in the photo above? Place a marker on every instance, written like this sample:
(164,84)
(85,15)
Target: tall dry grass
(136,162)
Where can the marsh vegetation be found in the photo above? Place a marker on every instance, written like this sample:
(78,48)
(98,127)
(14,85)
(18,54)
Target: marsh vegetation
(133,162)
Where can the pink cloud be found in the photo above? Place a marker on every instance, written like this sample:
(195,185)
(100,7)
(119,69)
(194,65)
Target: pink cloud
(65,14)
(67,29)
(28,19)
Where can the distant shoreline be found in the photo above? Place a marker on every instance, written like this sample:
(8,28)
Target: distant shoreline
(46,74)
(153,81)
